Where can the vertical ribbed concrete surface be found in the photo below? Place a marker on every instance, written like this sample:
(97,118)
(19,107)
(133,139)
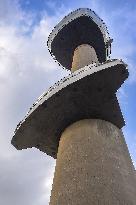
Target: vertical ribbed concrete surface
(93,166)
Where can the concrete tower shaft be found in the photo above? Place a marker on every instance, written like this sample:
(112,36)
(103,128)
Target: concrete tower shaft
(93,166)
(83,55)
(93,163)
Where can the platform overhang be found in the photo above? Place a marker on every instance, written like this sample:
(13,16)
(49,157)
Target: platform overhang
(82,26)
(89,92)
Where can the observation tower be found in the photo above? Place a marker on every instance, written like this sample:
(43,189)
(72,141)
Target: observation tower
(78,120)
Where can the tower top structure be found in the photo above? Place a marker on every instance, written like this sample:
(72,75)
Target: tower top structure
(87,93)
(82,26)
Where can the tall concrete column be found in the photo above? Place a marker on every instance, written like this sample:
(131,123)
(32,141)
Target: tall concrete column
(83,55)
(93,166)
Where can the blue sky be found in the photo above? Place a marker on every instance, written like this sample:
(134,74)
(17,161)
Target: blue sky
(27,70)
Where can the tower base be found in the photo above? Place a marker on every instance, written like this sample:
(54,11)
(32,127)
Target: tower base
(93,166)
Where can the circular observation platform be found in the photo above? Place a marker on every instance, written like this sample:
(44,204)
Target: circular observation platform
(82,26)
(89,92)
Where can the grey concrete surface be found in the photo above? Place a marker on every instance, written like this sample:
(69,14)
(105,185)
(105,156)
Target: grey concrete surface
(93,166)
(83,55)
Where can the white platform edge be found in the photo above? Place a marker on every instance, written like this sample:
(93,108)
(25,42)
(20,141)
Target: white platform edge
(74,15)
(71,78)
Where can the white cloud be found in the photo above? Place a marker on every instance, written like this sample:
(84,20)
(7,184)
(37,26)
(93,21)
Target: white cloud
(26,70)
(134,163)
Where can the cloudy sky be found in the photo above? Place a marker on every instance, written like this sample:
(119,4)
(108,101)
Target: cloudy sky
(27,70)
